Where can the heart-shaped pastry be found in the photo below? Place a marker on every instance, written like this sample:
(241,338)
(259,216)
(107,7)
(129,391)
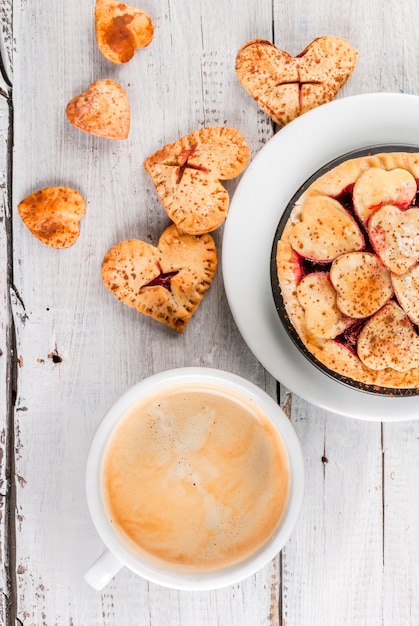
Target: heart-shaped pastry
(53,215)
(406,288)
(363,285)
(121,29)
(325,231)
(377,187)
(166,282)
(317,296)
(394,235)
(187,176)
(388,339)
(103,110)
(285,86)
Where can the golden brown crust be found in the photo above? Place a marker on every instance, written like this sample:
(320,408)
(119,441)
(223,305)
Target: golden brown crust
(285,86)
(166,282)
(345,174)
(121,29)
(102,110)
(333,354)
(53,215)
(187,175)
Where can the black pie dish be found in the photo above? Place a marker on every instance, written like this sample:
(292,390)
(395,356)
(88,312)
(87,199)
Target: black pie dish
(276,289)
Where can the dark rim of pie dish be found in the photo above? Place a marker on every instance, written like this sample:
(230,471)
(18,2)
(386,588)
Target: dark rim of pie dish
(276,290)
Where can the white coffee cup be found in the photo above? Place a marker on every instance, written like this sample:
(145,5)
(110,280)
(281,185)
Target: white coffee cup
(119,554)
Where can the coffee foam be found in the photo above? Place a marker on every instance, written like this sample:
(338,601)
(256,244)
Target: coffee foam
(195,476)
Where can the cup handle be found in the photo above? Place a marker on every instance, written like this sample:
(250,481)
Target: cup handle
(103,570)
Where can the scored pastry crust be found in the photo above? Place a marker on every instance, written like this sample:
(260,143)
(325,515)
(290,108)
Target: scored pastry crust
(166,282)
(187,175)
(337,356)
(284,86)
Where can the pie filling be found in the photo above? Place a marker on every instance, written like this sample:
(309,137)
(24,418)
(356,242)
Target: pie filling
(348,269)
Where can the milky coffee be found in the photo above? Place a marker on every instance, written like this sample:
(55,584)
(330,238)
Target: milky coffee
(195,477)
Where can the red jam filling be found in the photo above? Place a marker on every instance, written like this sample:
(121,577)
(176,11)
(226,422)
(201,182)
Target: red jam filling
(163,280)
(185,164)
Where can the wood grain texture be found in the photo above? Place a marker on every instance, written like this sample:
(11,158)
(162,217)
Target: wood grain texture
(102,346)
(6,344)
(5,356)
(401,523)
(353,558)
(332,565)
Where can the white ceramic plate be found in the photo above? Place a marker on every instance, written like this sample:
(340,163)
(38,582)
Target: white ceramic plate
(270,181)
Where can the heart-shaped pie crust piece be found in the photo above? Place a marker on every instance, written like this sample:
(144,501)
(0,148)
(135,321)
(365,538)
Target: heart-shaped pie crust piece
(406,288)
(325,231)
(285,86)
(187,175)
(377,187)
(363,285)
(394,235)
(53,215)
(103,110)
(317,296)
(166,282)
(121,29)
(388,339)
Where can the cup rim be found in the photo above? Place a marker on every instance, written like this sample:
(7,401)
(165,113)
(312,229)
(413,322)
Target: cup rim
(212,579)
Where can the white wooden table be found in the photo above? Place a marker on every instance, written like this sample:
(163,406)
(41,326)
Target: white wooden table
(68,349)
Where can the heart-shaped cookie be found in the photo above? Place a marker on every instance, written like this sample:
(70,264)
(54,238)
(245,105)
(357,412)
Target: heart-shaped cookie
(166,282)
(325,231)
(317,296)
(363,285)
(377,187)
(285,86)
(388,339)
(53,215)
(121,29)
(103,110)
(187,176)
(394,235)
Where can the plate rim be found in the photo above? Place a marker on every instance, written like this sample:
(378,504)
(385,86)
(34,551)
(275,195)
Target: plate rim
(357,110)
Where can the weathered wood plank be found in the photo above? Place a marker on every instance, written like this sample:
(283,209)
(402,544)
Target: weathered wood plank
(183,81)
(332,565)
(401,523)
(6,331)
(333,570)
(5,356)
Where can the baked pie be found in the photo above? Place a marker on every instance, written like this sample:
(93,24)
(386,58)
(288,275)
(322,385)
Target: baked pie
(188,175)
(284,86)
(102,110)
(121,29)
(345,271)
(166,282)
(53,215)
